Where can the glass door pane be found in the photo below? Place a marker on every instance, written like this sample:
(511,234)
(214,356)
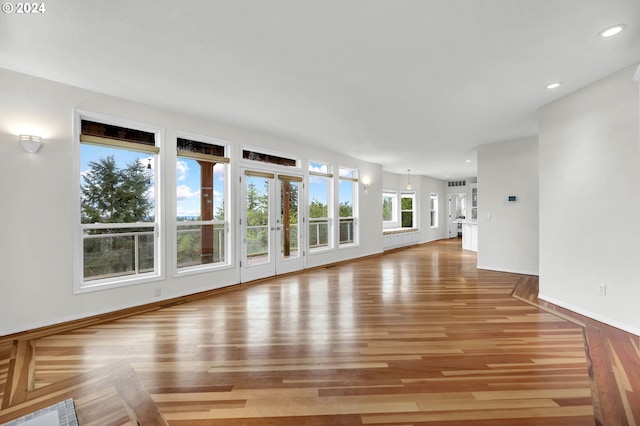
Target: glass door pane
(257,234)
(288,221)
(272,239)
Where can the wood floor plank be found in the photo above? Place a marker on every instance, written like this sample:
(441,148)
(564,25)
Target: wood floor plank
(418,336)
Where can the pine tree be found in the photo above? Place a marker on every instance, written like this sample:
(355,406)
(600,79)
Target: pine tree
(112,195)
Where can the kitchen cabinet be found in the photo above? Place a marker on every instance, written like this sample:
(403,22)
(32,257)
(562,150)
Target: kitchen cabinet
(470,236)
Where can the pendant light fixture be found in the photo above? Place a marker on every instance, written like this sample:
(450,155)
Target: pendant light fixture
(149,170)
(409,187)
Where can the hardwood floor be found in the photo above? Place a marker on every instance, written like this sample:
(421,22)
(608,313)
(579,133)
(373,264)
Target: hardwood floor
(418,336)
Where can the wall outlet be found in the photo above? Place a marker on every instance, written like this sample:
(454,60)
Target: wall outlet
(157,292)
(602,289)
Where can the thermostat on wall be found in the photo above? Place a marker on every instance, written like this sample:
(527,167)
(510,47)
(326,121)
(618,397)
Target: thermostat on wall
(512,198)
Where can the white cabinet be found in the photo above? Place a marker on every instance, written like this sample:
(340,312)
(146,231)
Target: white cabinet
(470,236)
(400,238)
(474,201)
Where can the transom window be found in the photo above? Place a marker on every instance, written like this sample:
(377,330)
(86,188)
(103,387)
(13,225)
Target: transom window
(264,157)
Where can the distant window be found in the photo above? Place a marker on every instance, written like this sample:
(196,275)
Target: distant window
(433,210)
(320,206)
(389,206)
(407,210)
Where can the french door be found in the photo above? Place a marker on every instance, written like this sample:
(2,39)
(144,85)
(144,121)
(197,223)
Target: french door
(271,224)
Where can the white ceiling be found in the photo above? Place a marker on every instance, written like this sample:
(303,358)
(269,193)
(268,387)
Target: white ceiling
(409,84)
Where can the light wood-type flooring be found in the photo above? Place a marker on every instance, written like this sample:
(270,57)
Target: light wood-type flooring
(416,336)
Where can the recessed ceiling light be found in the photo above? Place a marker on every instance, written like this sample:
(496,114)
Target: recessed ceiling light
(611,31)
(553,85)
(468,161)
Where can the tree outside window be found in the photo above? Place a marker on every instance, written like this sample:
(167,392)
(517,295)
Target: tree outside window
(390,209)
(117,213)
(407,210)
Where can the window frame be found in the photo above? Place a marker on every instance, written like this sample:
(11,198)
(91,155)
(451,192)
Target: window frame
(393,195)
(434,210)
(414,210)
(328,175)
(354,179)
(80,285)
(228,209)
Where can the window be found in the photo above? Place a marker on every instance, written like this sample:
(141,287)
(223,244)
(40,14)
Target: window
(389,208)
(320,178)
(433,210)
(348,192)
(201,215)
(407,210)
(118,205)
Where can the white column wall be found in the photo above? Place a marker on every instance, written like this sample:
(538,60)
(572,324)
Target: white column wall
(508,231)
(589,200)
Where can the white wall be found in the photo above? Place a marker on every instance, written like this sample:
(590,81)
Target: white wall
(590,199)
(36,218)
(507,231)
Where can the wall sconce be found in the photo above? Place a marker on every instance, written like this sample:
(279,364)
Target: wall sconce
(365,183)
(409,187)
(31,143)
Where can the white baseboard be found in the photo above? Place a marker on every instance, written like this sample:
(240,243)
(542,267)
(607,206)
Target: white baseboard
(589,314)
(511,271)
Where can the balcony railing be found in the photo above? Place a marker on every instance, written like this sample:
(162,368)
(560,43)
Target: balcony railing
(190,236)
(318,232)
(258,239)
(118,249)
(347,231)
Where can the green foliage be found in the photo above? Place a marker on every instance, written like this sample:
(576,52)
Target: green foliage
(387,209)
(406,203)
(189,242)
(257,205)
(407,219)
(318,209)
(219,214)
(346,210)
(112,195)
(189,247)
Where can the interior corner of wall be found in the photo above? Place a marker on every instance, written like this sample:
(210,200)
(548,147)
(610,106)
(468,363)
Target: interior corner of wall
(636,77)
